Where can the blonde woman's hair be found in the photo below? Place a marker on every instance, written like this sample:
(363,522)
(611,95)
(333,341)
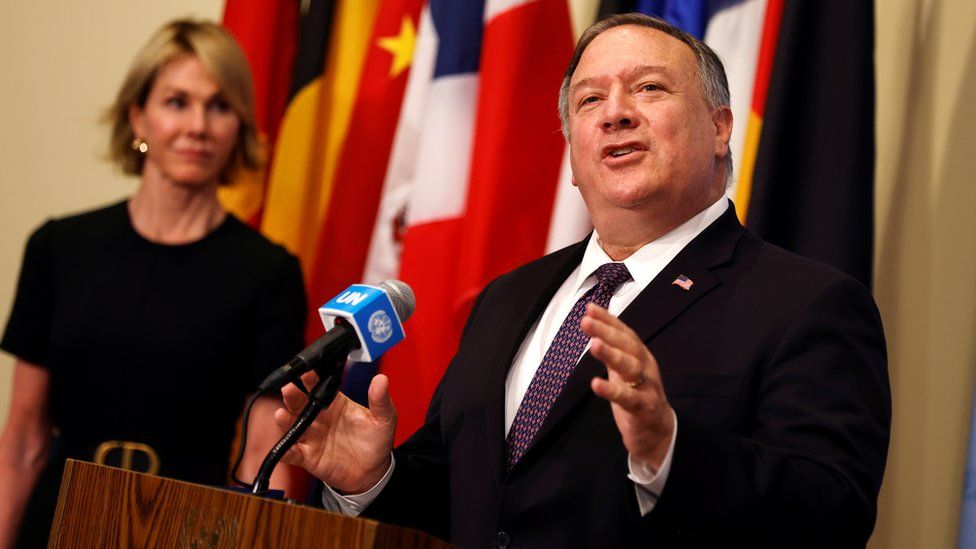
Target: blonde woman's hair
(219,53)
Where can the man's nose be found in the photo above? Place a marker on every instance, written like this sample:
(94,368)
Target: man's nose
(621,112)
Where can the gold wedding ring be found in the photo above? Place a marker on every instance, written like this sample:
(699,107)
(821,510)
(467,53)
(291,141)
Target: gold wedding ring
(638,383)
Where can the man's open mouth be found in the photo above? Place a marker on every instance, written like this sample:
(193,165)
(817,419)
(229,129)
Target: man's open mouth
(617,151)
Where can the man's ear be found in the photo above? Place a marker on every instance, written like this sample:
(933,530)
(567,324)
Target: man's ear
(722,118)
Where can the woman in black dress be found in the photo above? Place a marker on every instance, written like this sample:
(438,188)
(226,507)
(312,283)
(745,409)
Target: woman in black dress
(139,329)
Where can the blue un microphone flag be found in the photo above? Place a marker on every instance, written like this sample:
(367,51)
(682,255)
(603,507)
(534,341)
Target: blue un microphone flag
(370,311)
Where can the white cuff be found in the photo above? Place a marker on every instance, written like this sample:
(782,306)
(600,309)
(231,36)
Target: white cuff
(649,483)
(353,504)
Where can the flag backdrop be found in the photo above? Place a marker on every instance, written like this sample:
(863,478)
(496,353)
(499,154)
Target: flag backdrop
(482,179)
(423,143)
(335,40)
(269,42)
(813,185)
(346,228)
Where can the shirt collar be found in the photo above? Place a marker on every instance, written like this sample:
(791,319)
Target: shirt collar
(642,262)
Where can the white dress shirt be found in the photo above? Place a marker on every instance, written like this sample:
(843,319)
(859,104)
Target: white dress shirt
(644,264)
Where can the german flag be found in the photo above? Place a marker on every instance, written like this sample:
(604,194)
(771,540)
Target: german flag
(813,185)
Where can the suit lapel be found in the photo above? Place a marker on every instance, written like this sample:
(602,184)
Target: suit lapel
(525,303)
(656,307)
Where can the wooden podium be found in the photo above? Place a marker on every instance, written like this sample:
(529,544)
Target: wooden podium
(108,507)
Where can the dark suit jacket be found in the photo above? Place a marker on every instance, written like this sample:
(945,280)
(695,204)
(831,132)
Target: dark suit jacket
(775,366)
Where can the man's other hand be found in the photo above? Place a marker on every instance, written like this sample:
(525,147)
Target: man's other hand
(347,446)
(633,387)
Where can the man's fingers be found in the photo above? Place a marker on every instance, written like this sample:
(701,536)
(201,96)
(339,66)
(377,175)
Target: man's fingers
(284,419)
(599,313)
(294,456)
(310,378)
(380,403)
(625,365)
(599,323)
(293,398)
(628,366)
(618,347)
(621,395)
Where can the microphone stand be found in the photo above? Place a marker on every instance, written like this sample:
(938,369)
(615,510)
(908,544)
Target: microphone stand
(319,399)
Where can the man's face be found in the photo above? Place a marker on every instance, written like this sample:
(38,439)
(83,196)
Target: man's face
(642,136)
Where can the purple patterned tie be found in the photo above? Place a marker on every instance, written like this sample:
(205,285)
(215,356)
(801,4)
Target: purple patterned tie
(559,362)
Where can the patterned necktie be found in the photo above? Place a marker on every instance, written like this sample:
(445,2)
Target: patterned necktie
(559,362)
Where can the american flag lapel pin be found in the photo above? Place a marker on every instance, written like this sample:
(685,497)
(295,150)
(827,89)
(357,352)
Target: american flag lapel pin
(683,282)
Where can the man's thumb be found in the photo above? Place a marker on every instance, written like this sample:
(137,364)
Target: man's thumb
(380,403)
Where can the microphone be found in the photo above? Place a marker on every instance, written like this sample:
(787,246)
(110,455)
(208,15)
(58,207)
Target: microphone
(363,321)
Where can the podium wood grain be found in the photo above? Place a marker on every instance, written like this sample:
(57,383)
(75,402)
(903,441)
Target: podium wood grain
(108,507)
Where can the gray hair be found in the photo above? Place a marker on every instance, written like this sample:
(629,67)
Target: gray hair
(711,72)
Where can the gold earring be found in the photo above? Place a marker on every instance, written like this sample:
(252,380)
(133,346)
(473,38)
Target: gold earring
(139,145)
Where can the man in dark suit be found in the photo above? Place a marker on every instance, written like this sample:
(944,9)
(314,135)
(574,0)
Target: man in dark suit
(670,381)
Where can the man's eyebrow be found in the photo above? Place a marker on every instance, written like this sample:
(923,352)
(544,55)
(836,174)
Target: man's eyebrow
(644,70)
(634,72)
(580,84)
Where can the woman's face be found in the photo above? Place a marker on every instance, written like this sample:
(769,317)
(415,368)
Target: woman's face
(188,125)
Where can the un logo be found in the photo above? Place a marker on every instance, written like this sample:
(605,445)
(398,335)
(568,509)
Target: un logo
(380,326)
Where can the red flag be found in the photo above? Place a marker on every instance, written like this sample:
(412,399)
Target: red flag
(502,133)
(345,235)
(267,31)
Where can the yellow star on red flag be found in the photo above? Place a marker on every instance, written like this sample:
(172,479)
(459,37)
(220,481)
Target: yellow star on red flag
(401,46)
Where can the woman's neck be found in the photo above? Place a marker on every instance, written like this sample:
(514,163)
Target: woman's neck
(168,213)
